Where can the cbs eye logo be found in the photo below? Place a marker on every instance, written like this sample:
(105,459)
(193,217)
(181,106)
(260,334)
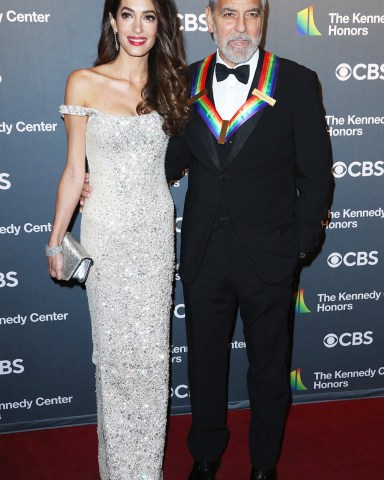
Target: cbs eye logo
(339,169)
(331,340)
(343,72)
(335,260)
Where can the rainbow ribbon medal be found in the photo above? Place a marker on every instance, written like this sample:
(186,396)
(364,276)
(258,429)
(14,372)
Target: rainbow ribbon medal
(262,96)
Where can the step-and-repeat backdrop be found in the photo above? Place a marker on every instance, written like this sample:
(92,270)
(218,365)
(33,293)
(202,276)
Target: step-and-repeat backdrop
(46,374)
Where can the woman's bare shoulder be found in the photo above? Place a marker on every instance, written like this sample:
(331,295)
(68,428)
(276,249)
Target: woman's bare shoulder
(82,85)
(86,77)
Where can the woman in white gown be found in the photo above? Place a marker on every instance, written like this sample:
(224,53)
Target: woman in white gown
(119,115)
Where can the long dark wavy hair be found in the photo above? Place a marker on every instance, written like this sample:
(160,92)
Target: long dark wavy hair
(166,90)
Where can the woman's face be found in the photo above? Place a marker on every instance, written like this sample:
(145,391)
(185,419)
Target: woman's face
(136,23)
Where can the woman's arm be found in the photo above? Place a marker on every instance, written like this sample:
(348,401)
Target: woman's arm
(72,179)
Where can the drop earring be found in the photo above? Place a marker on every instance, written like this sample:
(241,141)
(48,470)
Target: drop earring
(116,42)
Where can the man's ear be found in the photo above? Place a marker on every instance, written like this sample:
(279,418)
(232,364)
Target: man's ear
(208,15)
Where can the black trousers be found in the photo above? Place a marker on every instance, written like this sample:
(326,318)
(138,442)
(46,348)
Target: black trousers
(226,282)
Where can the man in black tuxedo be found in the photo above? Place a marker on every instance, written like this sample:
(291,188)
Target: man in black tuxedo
(259,187)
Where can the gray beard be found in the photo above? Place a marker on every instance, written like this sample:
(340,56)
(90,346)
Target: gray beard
(238,55)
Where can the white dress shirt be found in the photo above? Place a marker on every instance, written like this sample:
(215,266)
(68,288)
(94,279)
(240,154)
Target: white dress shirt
(230,94)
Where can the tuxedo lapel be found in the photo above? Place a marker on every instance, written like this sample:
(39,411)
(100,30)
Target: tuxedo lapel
(200,131)
(201,139)
(243,133)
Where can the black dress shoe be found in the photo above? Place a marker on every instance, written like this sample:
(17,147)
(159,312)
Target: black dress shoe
(263,474)
(203,471)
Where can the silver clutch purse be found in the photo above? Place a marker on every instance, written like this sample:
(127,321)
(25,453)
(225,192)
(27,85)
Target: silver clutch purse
(77,262)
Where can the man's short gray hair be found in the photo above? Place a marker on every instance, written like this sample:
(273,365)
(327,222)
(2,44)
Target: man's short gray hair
(212,4)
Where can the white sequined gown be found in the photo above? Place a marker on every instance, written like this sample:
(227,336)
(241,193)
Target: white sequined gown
(127,227)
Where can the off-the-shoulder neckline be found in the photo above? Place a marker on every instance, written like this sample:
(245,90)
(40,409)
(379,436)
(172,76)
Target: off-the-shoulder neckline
(106,114)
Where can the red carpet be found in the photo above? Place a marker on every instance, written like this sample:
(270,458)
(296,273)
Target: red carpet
(324,441)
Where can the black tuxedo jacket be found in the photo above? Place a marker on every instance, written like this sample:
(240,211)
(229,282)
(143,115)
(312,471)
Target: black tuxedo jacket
(274,178)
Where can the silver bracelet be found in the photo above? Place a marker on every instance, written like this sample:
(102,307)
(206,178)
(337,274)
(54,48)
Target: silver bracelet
(52,251)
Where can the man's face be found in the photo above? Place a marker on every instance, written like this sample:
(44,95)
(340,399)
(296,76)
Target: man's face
(236,26)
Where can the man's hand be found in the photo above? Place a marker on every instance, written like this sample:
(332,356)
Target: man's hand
(86,192)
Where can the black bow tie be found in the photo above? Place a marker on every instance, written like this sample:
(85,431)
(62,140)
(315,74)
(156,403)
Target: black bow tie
(241,73)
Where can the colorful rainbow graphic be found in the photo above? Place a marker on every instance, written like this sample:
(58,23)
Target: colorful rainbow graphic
(300,306)
(296,383)
(306,23)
